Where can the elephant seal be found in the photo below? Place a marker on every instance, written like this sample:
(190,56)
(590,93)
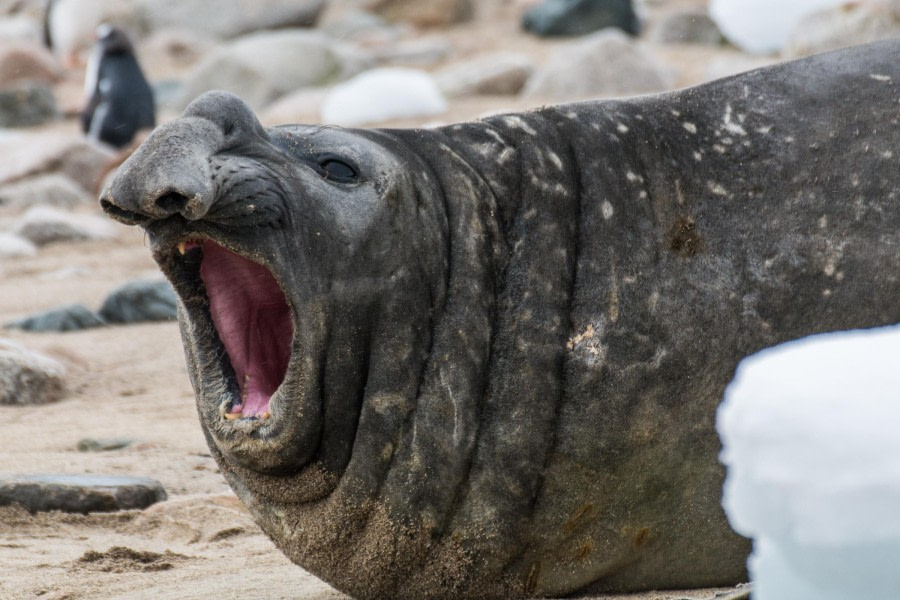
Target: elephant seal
(484,360)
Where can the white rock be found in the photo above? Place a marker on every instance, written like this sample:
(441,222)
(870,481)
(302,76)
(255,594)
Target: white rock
(12,245)
(762,26)
(43,225)
(381,95)
(20,28)
(810,435)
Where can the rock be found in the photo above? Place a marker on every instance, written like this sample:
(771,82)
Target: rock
(28,155)
(413,53)
(360,26)
(263,66)
(27,62)
(103,444)
(12,245)
(140,301)
(500,73)
(687,27)
(28,377)
(20,28)
(604,64)
(763,26)
(79,493)
(173,50)
(43,225)
(53,189)
(424,13)
(72,317)
(121,559)
(383,94)
(733,63)
(579,17)
(302,106)
(27,104)
(230,18)
(86,163)
(846,25)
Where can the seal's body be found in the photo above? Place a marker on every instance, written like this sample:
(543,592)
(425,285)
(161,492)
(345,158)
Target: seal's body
(484,360)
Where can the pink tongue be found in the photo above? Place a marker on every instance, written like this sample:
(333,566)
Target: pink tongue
(254,323)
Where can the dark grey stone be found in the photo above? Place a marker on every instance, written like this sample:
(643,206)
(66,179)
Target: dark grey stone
(139,301)
(72,317)
(27,104)
(578,17)
(79,493)
(103,444)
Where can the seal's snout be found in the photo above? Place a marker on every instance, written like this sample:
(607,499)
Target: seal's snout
(170,173)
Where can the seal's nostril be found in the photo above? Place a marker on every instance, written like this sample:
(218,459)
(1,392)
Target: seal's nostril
(171,202)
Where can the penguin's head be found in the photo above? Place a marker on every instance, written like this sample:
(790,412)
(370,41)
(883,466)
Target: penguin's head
(113,39)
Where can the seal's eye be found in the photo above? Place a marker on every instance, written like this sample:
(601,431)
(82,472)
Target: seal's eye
(337,169)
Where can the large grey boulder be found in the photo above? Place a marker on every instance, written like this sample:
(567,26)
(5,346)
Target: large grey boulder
(44,225)
(604,64)
(79,493)
(71,317)
(53,189)
(27,377)
(263,66)
(693,26)
(230,18)
(140,301)
(83,162)
(424,13)
(499,73)
(72,22)
(843,26)
(26,104)
(22,61)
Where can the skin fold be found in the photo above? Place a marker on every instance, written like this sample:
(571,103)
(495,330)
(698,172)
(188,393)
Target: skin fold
(509,337)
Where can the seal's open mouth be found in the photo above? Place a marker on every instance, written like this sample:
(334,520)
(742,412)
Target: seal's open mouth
(253,320)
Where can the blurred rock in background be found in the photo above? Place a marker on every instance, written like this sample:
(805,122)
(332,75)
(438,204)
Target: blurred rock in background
(578,17)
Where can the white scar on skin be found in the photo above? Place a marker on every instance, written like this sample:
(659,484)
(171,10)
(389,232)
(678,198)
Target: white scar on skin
(519,123)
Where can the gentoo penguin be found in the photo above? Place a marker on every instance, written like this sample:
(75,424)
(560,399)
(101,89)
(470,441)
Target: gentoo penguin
(119,99)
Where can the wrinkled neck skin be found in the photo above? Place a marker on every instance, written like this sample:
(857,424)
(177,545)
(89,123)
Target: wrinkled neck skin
(513,337)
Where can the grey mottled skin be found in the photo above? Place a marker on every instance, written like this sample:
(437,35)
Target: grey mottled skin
(511,335)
